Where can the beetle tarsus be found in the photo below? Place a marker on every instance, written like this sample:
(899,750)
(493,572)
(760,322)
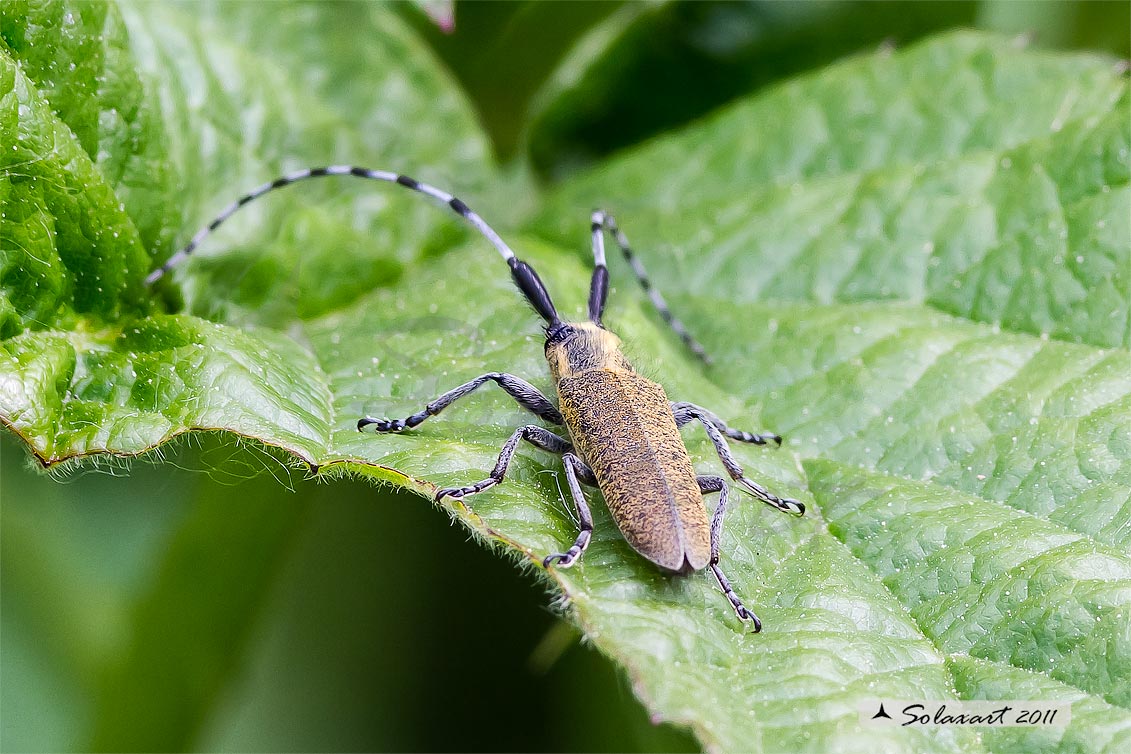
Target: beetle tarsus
(742,611)
(750,437)
(744,614)
(685,412)
(784,504)
(575,469)
(382,425)
(563,559)
(462,492)
(533,434)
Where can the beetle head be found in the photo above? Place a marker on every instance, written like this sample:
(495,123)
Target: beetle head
(575,347)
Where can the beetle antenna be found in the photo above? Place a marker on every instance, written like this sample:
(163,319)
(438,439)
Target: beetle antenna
(524,276)
(598,289)
(599,285)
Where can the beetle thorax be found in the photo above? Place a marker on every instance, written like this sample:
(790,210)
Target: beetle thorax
(577,347)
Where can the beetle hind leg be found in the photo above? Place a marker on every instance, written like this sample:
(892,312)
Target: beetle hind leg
(574,469)
(719,485)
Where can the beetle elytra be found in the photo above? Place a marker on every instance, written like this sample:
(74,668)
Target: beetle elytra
(623,432)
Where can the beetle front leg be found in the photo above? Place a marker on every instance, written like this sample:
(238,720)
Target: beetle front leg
(719,485)
(522,391)
(535,435)
(732,466)
(574,468)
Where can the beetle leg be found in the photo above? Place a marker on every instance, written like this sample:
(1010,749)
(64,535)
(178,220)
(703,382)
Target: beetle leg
(683,413)
(573,468)
(536,436)
(783,504)
(719,485)
(522,391)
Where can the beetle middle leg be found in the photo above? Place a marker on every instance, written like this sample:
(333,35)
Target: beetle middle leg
(719,485)
(574,468)
(685,412)
(533,434)
(689,411)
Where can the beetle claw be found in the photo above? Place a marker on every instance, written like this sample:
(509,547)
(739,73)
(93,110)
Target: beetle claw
(564,559)
(381,425)
(745,614)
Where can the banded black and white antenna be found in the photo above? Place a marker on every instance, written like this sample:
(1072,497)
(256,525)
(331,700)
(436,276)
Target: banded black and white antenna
(524,275)
(602,222)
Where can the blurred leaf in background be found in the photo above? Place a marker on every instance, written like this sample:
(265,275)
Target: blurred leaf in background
(503,52)
(674,62)
(593,78)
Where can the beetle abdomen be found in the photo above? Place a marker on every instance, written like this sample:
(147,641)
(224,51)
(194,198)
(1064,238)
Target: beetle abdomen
(622,426)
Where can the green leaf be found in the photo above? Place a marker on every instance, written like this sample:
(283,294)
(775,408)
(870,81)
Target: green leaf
(909,264)
(79,58)
(68,248)
(126,384)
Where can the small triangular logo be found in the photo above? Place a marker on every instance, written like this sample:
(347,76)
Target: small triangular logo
(881,713)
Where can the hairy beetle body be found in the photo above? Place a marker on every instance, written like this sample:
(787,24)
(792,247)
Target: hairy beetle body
(621,425)
(623,428)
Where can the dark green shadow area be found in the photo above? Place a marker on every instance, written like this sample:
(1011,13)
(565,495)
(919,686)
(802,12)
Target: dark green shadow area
(182,609)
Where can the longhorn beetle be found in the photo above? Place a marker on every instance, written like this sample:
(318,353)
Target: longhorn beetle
(623,431)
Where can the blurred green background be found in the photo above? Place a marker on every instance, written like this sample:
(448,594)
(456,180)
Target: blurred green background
(362,619)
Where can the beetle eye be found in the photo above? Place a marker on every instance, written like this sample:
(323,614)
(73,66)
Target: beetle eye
(557,333)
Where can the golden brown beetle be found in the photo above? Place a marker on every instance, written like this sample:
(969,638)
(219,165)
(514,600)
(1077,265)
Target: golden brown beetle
(623,431)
